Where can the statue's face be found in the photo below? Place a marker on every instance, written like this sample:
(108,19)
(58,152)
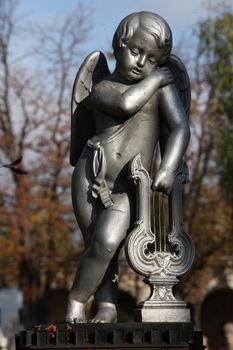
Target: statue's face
(139,57)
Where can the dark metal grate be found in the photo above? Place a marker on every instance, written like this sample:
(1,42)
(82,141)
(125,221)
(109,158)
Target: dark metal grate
(111,336)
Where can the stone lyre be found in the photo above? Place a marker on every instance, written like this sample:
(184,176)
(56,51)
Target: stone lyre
(171,257)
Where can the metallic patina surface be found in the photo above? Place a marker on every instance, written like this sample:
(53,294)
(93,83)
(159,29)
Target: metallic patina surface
(118,119)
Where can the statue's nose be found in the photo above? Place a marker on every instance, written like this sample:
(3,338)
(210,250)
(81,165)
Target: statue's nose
(141,61)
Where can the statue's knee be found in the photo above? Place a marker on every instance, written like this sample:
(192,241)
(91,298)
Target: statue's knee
(110,246)
(106,247)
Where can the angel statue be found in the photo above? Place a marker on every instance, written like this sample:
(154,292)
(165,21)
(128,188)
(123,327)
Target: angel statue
(116,116)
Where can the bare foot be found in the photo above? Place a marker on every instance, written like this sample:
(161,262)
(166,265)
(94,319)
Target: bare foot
(75,311)
(107,313)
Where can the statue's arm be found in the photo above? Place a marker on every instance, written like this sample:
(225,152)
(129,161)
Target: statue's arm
(173,114)
(117,99)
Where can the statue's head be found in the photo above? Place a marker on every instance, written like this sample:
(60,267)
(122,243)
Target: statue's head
(151,23)
(143,36)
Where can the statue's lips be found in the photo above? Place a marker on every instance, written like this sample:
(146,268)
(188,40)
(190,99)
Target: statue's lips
(136,71)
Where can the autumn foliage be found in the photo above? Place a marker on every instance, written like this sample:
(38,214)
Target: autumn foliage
(209,196)
(38,233)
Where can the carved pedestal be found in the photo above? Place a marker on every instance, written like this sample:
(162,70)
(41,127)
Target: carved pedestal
(162,304)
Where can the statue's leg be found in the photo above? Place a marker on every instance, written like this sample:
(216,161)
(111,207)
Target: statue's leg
(109,232)
(85,211)
(107,292)
(84,205)
(108,289)
(106,296)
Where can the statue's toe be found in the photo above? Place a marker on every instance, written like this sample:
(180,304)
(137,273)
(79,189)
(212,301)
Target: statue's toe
(75,312)
(105,315)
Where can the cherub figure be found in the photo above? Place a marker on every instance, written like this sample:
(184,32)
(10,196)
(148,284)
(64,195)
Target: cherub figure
(115,117)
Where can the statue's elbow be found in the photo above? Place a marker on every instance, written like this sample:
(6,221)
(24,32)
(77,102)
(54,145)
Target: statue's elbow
(127,107)
(182,134)
(186,133)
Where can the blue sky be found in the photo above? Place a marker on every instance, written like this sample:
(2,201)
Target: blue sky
(106,15)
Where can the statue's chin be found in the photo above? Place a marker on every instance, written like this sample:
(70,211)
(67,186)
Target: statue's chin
(129,77)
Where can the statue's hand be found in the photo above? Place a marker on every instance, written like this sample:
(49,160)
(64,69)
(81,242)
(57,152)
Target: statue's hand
(163,181)
(164,76)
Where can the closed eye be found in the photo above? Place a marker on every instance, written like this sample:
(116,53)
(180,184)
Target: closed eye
(152,61)
(134,52)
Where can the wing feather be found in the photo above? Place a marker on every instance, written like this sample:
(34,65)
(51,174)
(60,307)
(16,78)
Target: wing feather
(93,69)
(181,79)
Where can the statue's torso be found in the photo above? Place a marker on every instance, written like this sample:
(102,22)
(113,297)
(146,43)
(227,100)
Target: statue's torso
(122,138)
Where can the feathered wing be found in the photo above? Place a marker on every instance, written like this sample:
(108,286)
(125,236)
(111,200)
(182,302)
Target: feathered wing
(93,70)
(181,80)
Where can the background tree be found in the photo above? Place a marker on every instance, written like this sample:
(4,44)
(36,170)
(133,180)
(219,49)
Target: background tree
(209,195)
(37,223)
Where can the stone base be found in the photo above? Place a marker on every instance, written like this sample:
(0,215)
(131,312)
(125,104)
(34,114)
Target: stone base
(111,336)
(164,312)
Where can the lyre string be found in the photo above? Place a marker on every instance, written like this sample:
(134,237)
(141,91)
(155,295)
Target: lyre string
(160,228)
(163,224)
(154,219)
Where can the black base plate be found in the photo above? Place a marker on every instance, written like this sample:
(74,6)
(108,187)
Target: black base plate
(111,336)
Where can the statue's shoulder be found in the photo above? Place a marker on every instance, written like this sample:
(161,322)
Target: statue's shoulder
(109,85)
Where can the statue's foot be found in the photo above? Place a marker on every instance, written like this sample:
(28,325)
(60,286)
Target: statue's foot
(107,313)
(75,311)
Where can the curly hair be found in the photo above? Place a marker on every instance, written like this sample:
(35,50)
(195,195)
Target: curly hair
(148,21)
